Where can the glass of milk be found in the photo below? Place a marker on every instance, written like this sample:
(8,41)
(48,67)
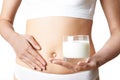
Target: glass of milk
(76,48)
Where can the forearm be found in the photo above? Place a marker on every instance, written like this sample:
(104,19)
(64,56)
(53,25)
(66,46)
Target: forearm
(7,15)
(7,30)
(110,50)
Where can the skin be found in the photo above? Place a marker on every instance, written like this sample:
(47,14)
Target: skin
(50,43)
(6,20)
(29,55)
(112,12)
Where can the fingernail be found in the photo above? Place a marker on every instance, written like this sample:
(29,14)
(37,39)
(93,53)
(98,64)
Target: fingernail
(34,68)
(87,60)
(38,47)
(78,63)
(53,61)
(40,69)
(50,59)
(44,63)
(43,68)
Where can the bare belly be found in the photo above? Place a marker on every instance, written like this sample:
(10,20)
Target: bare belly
(49,32)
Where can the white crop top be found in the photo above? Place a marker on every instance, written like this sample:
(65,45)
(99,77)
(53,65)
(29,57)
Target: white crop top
(70,8)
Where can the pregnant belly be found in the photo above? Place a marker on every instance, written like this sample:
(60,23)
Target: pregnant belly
(49,34)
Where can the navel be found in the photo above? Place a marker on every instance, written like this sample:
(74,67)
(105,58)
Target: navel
(53,54)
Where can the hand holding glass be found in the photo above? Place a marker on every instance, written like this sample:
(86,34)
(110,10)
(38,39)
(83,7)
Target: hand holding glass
(76,48)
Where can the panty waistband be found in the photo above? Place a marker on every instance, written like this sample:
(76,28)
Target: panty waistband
(23,73)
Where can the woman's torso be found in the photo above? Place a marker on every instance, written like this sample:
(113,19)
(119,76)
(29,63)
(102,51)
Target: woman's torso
(49,31)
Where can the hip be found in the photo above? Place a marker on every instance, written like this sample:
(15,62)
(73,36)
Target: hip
(28,74)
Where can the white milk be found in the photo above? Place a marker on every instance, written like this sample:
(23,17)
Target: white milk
(76,49)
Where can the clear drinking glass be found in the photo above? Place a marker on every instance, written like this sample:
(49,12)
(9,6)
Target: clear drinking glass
(76,48)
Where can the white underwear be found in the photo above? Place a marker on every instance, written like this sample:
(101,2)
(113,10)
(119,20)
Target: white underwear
(23,73)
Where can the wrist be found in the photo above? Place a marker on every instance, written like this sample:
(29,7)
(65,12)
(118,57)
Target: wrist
(7,30)
(12,37)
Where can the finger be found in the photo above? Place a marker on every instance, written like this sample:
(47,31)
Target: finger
(37,56)
(85,65)
(92,64)
(36,61)
(81,63)
(87,60)
(62,63)
(30,63)
(77,68)
(33,42)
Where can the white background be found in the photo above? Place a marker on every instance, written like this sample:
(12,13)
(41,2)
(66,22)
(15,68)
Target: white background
(100,34)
